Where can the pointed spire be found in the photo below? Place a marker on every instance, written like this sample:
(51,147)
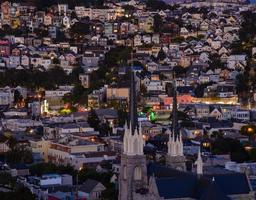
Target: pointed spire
(199,154)
(174,108)
(199,163)
(130,129)
(181,146)
(133,142)
(125,125)
(140,128)
(133,102)
(180,137)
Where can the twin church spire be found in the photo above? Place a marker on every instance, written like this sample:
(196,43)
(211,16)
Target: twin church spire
(133,142)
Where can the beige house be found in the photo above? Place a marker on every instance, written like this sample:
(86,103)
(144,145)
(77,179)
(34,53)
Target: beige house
(117,93)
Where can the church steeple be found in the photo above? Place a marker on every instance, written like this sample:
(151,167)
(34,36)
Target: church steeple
(175,144)
(174,109)
(133,142)
(133,104)
(175,156)
(133,170)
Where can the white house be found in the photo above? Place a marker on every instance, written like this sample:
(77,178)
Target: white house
(235,61)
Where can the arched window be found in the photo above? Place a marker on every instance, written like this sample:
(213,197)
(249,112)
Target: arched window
(137,173)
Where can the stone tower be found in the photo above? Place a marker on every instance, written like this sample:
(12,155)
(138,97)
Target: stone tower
(133,171)
(175,157)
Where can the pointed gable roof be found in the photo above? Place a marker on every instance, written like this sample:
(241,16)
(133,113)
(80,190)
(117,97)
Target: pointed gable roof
(213,192)
(172,183)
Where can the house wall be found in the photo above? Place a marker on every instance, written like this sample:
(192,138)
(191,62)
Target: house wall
(113,93)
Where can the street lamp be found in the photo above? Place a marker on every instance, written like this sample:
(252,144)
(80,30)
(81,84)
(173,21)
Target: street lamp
(250,130)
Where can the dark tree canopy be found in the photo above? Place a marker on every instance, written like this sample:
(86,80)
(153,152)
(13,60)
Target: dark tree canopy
(158,23)
(80,28)
(156,5)
(230,146)
(93,119)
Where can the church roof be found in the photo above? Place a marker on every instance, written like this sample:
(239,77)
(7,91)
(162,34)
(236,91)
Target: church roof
(184,187)
(172,183)
(213,192)
(232,183)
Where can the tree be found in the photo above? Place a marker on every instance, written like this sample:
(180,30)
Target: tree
(242,83)
(20,193)
(158,23)
(117,56)
(143,89)
(248,29)
(6,180)
(78,95)
(12,142)
(98,3)
(74,76)
(55,61)
(122,116)
(248,130)
(105,129)
(87,173)
(41,32)
(110,193)
(181,116)
(252,154)
(161,55)
(17,96)
(93,119)
(129,8)
(230,146)
(216,134)
(179,71)
(80,29)
(19,155)
(215,62)
(44,168)
(178,39)
(156,5)
(199,90)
